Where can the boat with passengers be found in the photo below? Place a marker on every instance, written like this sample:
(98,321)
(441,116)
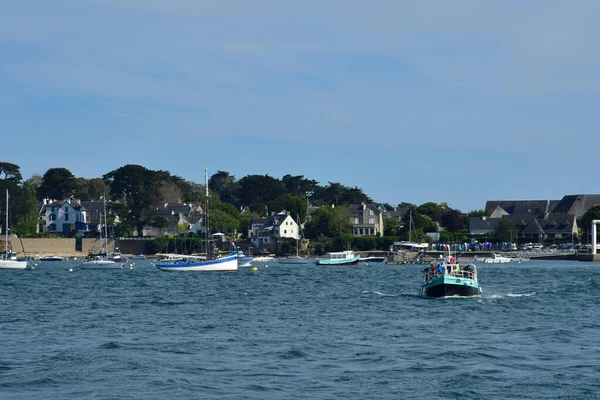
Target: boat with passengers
(450,279)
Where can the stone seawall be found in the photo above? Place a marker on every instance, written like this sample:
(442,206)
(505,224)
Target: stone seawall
(64,247)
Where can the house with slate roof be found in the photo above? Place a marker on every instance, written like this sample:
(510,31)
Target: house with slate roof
(269,233)
(175,214)
(535,219)
(62,217)
(366,219)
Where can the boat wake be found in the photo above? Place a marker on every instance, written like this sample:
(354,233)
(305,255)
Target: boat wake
(510,295)
(380,293)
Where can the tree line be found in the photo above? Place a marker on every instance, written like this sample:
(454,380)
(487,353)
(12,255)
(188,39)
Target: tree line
(134,192)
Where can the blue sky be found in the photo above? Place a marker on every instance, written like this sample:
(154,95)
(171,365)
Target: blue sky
(462,101)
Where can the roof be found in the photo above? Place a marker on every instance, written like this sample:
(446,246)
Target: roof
(498,212)
(532,207)
(175,209)
(576,204)
(358,209)
(480,226)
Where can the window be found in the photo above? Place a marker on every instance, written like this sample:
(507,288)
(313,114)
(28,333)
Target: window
(52,227)
(52,217)
(66,209)
(355,221)
(66,217)
(371,220)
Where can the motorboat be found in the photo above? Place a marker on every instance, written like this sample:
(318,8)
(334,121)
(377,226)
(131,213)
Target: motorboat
(346,257)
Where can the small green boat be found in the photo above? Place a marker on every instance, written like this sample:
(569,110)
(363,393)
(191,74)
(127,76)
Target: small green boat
(450,280)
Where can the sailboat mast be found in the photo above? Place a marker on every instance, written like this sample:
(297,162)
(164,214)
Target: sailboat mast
(208,257)
(410,226)
(6,229)
(105,228)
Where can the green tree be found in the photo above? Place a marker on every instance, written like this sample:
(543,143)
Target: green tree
(136,190)
(504,230)
(81,191)
(297,206)
(12,172)
(453,220)
(329,222)
(28,210)
(391,226)
(432,210)
(57,184)
(191,192)
(591,214)
(299,186)
(260,189)
(476,214)
(226,187)
(97,188)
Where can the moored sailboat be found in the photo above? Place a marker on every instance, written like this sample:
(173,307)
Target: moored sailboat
(212,262)
(102,260)
(7,261)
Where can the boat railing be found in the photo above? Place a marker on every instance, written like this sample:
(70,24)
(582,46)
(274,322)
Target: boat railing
(465,274)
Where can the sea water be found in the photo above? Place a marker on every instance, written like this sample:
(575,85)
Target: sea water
(298,332)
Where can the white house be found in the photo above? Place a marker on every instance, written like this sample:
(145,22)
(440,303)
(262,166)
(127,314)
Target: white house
(269,232)
(63,217)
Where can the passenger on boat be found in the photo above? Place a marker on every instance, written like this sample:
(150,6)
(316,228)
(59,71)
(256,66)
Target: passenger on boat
(456,270)
(432,268)
(440,268)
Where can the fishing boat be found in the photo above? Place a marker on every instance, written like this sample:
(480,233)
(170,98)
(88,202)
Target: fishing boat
(102,260)
(450,279)
(346,257)
(8,261)
(213,261)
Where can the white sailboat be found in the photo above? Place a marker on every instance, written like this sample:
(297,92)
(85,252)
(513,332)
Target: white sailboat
(101,261)
(7,262)
(212,262)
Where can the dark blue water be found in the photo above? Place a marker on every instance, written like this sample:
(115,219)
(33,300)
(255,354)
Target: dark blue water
(302,332)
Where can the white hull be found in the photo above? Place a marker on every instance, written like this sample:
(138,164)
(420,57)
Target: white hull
(227,264)
(263,259)
(11,264)
(497,260)
(101,264)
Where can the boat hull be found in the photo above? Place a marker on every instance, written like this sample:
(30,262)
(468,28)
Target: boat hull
(225,264)
(373,259)
(101,264)
(445,285)
(12,264)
